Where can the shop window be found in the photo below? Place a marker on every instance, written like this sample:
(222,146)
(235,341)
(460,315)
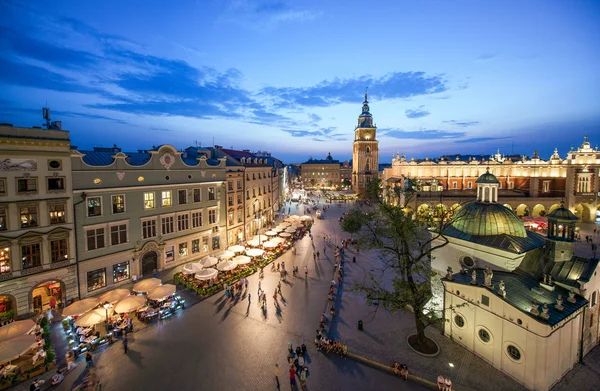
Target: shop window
(195,246)
(3,189)
(5,304)
(182,196)
(95,238)
(56,184)
(118,234)
(118,203)
(5,259)
(149,200)
(57,214)
(212,216)
(196,219)
(205,244)
(513,352)
(216,242)
(27,185)
(31,255)
(121,272)
(3,220)
(96,279)
(94,206)
(197,197)
(166,198)
(211,194)
(148,229)
(59,250)
(183,249)
(169,254)
(183,222)
(29,217)
(167,225)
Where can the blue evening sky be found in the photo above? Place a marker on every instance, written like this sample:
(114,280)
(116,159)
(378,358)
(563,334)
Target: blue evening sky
(289,76)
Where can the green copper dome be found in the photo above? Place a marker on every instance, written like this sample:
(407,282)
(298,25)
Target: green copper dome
(562,214)
(486,219)
(488,177)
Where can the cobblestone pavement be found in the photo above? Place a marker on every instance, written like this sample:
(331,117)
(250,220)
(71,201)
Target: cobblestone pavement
(212,347)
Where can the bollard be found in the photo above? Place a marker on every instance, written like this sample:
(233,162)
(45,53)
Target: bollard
(360,325)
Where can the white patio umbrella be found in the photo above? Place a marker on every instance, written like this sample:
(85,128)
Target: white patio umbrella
(253,243)
(306,218)
(285,234)
(296,224)
(146,285)
(278,229)
(255,252)
(192,268)
(269,244)
(93,317)
(277,240)
(284,224)
(271,233)
(241,259)
(114,295)
(227,254)
(16,347)
(162,292)
(208,261)
(81,306)
(237,249)
(226,265)
(294,217)
(14,329)
(290,229)
(206,274)
(130,303)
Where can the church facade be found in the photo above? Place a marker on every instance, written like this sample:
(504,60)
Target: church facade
(365,154)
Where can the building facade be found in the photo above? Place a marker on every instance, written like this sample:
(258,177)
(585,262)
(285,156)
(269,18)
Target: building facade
(146,211)
(346,174)
(37,241)
(365,153)
(321,173)
(530,187)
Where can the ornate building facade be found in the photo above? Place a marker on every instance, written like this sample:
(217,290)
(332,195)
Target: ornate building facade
(321,173)
(365,153)
(37,239)
(530,187)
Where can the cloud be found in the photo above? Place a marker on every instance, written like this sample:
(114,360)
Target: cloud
(480,139)
(322,134)
(417,113)
(268,15)
(314,117)
(486,56)
(161,129)
(420,134)
(462,124)
(393,85)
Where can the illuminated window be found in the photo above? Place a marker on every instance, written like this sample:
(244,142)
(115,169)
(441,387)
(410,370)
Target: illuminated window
(57,214)
(5,260)
(94,206)
(149,200)
(166,198)
(31,255)
(121,272)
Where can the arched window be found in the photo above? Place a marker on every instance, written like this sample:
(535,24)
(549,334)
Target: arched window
(486,194)
(368,149)
(594,299)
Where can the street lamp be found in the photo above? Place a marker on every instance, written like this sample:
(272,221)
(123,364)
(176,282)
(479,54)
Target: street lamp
(106,306)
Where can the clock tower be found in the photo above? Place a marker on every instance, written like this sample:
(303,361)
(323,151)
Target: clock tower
(365,156)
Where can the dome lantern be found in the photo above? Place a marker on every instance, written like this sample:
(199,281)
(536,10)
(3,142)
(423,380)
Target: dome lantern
(487,187)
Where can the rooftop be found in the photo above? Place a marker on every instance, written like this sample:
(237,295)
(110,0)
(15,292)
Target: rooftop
(514,244)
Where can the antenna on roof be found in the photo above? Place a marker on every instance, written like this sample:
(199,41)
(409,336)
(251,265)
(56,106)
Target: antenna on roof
(196,142)
(46,115)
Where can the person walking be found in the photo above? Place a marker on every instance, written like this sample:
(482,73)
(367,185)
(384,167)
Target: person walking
(305,272)
(277,375)
(303,372)
(318,254)
(125,341)
(89,360)
(279,287)
(259,287)
(292,377)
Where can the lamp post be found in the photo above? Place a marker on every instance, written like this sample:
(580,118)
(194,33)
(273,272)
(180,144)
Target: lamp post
(106,306)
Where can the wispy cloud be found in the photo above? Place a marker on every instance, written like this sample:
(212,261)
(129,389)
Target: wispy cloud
(480,139)
(267,15)
(420,134)
(419,112)
(462,124)
(486,56)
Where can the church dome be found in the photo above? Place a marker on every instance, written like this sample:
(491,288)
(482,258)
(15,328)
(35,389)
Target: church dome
(488,177)
(487,219)
(562,214)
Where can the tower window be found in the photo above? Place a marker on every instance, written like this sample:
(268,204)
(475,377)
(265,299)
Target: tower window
(368,149)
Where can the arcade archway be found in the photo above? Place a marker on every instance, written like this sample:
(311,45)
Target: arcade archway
(522,210)
(538,210)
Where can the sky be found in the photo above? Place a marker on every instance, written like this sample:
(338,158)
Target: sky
(289,77)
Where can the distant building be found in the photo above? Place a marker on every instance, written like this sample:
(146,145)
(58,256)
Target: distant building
(365,155)
(321,174)
(346,173)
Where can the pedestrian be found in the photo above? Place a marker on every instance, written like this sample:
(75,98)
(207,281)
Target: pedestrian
(249,298)
(314,256)
(277,374)
(70,361)
(89,360)
(246,283)
(318,254)
(305,272)
(292,377)
(125,341)
(259,287)
(279,287)
(277,266)
(303,377)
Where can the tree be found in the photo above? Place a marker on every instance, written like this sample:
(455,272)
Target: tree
(404,245)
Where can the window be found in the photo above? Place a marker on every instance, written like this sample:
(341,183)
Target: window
(239,216)
(29,217)
(469,185)
(56,184)
(247,194)
(149,200)
(95,238)
(2,186)
(118,234)
(166,198)
(94,206)
(167,225)
(148,229)
(195,246)
(511,185)
(183,222)
(57,214)
(96,279)
(545,186)
(54,164)
(216,242)
(205,244)
(485,300)
(212,216)
(196,219)
(239,199)
(468,262)
(118,203)
(513,352)
(183,250)
(594,299)
(230,218)
(3,220)
(254,193)
(211,193)
(454,185)
(59,250)
(484,336)
(31,254)
(182,196)
(26,185)
(459,321)
(197,197)
(121,272)
(230,200)
(239,184)
(5,259)
(230,185)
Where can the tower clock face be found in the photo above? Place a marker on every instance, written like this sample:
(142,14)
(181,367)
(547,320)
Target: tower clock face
(368,134)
